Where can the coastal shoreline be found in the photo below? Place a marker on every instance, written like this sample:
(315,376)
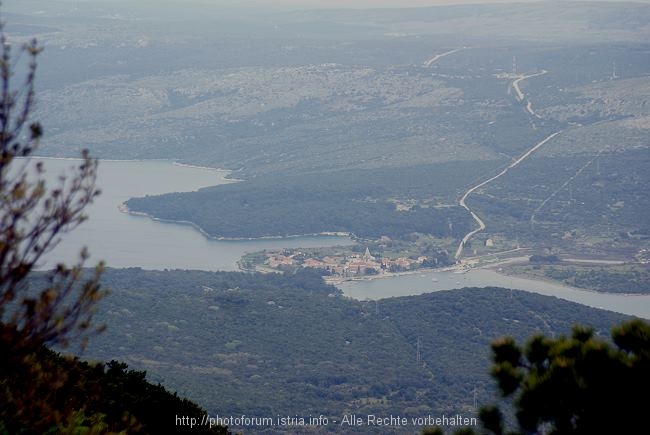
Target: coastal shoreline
(123,208)
(561,283)
(495,267)
(456,268)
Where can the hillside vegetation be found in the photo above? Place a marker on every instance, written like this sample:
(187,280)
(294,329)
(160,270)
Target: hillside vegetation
(231,341)
(361,202)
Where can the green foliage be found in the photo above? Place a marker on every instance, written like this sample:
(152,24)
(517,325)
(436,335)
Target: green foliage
(537,258)
(44,392)
(32,219)
(357,202)
(292,338)
(596,212)
(624,278)
(578,384)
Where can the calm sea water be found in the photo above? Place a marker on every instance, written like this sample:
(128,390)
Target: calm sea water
(415,284)
(124,240)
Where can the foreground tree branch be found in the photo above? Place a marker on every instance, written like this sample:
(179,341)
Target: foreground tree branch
(33,218)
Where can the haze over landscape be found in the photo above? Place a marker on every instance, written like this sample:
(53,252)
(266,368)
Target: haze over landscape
(332,208)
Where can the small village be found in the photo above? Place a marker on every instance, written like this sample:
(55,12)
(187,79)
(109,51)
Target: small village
(345,266)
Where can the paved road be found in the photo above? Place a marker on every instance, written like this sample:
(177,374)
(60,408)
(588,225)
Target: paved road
(435,58)
(478,220)
(515,85)
(529,107)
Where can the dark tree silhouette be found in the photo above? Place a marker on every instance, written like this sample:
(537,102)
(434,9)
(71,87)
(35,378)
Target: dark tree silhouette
(40,390)
(574,385)
(33,218)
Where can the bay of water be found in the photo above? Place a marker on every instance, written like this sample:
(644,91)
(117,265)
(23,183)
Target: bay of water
(415,284)
(124,240)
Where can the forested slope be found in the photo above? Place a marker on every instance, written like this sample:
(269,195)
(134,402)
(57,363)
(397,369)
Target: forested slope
(269,345)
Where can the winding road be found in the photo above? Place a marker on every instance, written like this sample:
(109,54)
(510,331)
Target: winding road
(478,220)
(529,108)
(462,202)
(515,84)
(521,96)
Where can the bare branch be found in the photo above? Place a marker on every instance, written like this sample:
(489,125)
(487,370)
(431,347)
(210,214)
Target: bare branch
(33,219)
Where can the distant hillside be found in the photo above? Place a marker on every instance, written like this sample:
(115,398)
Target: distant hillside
(590,203)
(577,21)
(314,91)
(268,345)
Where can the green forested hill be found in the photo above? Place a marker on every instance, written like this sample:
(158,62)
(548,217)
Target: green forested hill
(361,202)
(269,345)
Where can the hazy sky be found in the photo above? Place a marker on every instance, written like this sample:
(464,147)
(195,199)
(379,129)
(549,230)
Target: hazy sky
(295,4)
(303,4)
(270,4)
(163,6)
